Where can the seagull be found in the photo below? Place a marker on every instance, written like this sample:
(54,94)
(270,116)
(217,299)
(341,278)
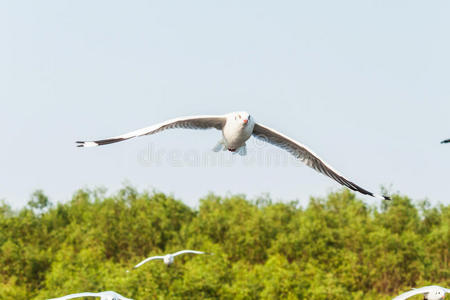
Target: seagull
(445,141)
(108,295)
(432,292)
(237,128)
(168,258)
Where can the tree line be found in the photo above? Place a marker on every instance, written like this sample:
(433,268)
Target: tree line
(337,247)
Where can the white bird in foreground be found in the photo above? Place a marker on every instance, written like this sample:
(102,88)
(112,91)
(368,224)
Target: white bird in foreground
(237,127)
(168,258)
(108,295)
(432,292)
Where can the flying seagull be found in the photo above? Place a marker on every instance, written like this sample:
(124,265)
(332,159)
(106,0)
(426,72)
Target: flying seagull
(432,292)
(445,141)
(237,127)
(168,258)
(108,295)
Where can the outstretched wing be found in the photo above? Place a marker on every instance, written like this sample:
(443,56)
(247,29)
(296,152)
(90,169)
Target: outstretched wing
(193,122)
(187,251)
(445,141)
(422,290)
(71,296)
(307,156)
(147,260)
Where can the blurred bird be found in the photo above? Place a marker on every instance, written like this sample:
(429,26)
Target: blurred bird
(432,292)
(168,258)
(108,295)
(237,127)
(445,141)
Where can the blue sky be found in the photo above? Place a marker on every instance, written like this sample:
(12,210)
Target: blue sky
(365,84)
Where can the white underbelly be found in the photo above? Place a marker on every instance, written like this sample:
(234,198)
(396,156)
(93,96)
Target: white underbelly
(237,137)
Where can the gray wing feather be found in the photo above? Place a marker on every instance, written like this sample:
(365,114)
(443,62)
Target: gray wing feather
(188,251)
(422,290)
(78,295)
(147,260)
(306,156)
(193,122)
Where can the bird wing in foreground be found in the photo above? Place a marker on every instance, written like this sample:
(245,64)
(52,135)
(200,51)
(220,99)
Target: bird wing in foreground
(113,295)
(307,156)
(422,290)
(147,260)
(187,251)
(71,296)
(445,141)
(193,122)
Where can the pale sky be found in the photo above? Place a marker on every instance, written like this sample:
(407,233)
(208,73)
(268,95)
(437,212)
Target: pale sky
(365,84)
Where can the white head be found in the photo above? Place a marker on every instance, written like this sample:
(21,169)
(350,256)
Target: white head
(243,118)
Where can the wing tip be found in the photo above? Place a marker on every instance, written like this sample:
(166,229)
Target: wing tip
(445,141)
(86,144)
(365,192)
(382,197)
